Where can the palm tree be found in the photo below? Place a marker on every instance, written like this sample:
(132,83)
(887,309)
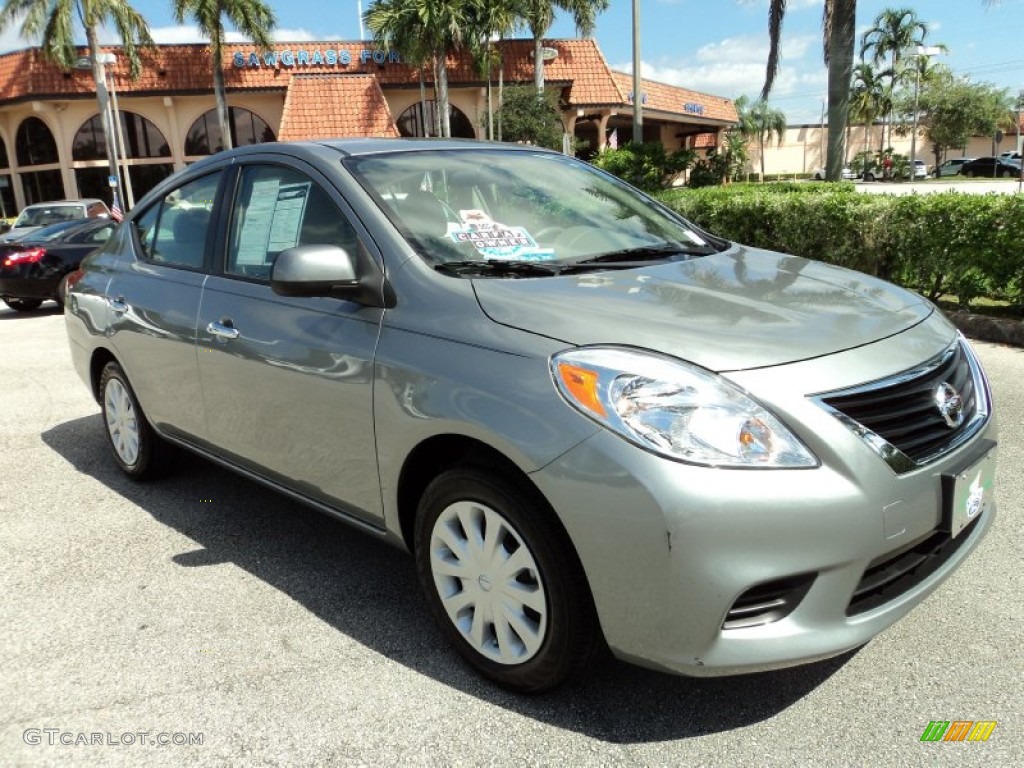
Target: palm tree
(867,96)
(487,20)
(55,21)
(437,26)
(893,31)
(539,15)
(762,122)
(839,35)
(253,18)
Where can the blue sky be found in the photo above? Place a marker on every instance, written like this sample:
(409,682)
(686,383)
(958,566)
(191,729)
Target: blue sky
(716,46)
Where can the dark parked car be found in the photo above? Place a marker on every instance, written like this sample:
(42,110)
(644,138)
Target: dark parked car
(592,422)
(34,268)
(990,167)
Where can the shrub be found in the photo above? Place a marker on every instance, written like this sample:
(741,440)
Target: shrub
(967,245)
(647,166)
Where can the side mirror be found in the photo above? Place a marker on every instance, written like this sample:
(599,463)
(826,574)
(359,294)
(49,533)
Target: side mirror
(323,270)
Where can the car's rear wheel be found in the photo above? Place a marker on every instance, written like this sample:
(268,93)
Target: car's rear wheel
(503,580)
(23,305)
(136,447)
(1004,174)
(62,290)
(969,174)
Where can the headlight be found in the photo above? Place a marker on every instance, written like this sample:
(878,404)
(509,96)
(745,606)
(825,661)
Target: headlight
(675,410)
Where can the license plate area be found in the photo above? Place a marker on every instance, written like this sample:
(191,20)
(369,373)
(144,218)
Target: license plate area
(968,493)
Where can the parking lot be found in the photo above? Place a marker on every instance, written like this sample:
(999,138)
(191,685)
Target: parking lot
(203,620)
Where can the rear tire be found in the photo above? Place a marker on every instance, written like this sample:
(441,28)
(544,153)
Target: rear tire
(503,580)
(137,449)
(23,305)
(62,290)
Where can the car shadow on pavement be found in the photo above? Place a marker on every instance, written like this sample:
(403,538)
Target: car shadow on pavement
(48,308)
(297,551)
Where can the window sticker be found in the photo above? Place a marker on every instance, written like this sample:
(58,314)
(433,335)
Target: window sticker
(272,220)
(493,240)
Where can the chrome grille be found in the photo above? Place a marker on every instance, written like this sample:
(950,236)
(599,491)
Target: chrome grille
(899,416)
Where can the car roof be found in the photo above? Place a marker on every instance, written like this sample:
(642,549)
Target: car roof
(56,203)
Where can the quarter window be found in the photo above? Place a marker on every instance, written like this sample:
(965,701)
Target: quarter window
(279,208)
(175,230)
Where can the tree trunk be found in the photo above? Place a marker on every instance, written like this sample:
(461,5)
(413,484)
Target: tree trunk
(760,151)
(441,77)
(219,95)
(538,64)
(840,70)
(490,99)
(100,78)
(423,104)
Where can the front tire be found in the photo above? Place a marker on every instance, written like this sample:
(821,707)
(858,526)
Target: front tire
(136,447)
(503,580)
(23,305)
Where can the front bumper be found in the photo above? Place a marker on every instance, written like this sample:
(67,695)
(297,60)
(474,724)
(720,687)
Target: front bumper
(670,550)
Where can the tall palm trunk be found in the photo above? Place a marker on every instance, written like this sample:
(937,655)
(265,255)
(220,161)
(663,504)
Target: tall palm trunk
(103,97)
(441,79)
(423,103)
(760,146)
(840,70)
(219,95)
(538,64)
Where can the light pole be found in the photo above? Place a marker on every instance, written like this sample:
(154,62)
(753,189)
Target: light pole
(638,99)
(921,53)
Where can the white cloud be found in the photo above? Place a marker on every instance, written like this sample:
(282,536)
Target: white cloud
(182,35)
(735,67)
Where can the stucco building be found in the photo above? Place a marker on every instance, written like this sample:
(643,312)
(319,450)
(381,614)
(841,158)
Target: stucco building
(52,146)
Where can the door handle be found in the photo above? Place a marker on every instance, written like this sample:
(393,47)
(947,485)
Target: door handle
(223,330)
(119,306)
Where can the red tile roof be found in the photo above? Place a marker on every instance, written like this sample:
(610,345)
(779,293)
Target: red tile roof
(335,105)
(578,66)
(679,101)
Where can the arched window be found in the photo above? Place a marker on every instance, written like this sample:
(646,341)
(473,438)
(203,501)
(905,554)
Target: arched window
(414,120)
(141,137)
(6,190)
(34,144)
(145,148)
(246,128)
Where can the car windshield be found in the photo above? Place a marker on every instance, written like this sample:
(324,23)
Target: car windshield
(502,208)
(43,215)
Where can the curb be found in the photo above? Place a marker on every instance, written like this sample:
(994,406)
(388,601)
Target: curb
(998,330)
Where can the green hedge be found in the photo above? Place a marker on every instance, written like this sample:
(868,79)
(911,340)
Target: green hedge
(946,243)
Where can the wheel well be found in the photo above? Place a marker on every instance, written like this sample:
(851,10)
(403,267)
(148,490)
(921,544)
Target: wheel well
(432,457)
(99,361)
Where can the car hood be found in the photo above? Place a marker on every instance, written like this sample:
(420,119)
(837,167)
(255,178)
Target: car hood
(744,308)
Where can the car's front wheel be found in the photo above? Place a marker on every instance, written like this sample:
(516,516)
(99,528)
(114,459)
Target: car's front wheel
(137,449)
(23,305)
(503,580)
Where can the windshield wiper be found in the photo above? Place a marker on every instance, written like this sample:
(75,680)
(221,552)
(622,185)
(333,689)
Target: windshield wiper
(499,267)
(648,253)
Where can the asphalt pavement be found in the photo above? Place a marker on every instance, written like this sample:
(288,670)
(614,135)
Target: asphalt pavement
(202,620)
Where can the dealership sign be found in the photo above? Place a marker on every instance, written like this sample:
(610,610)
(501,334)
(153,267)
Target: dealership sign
(316,57)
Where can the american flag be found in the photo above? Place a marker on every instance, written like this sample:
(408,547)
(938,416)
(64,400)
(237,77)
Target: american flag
(115,209)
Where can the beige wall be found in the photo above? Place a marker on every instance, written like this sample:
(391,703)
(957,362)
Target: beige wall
(802,149)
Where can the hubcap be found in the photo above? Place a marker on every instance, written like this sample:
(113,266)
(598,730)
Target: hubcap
(489,582)
(122,424)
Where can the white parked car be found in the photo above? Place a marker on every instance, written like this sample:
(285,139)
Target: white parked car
(848,175)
